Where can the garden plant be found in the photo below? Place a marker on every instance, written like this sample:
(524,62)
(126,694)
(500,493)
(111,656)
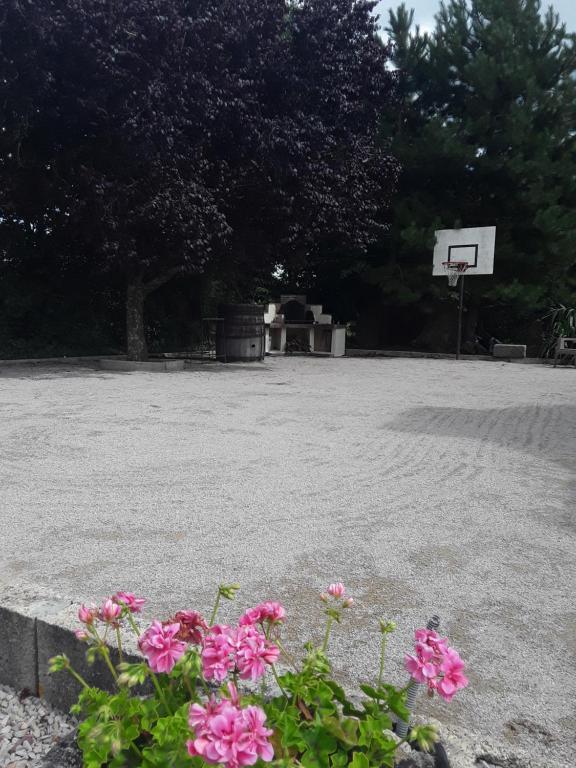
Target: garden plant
(235,695)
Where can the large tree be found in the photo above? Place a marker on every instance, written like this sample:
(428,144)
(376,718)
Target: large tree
(485,135)
(154,136)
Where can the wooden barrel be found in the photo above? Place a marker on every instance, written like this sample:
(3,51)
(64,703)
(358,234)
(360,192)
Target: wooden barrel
(240,337)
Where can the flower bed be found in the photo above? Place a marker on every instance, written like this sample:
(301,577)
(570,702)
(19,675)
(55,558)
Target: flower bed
(219,697)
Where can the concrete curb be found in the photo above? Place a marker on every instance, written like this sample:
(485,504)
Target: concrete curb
(443,356)
(72,360)
(26,645)
(107,364)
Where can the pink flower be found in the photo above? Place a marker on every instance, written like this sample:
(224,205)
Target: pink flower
(226,734)
(453,677)
(422,666)
(160,646)
(110,611)
(253,652)
(245,649)
(87,614)
(257,734)
(217,653)
(337,590)
(348,602)
(81,634)
(270,611)
(436,664)
(432,639)
(129,600)
(192,625)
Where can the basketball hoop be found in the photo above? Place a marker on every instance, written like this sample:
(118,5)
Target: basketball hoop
(453,270)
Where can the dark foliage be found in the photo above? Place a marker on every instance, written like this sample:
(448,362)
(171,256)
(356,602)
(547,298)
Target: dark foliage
(144,138)
(485,136)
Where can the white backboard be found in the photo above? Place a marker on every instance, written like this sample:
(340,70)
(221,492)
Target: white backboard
(474,245)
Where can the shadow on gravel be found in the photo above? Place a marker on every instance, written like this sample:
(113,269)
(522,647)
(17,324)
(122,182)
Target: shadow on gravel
(548,431)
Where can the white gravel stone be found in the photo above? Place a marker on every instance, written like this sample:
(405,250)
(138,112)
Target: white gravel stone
(427,486)
(28,728)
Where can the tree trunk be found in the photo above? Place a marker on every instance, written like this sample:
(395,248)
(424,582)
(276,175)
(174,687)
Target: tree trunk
(135,332)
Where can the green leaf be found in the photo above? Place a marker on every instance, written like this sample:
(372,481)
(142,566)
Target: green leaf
(344,730)
(359,760)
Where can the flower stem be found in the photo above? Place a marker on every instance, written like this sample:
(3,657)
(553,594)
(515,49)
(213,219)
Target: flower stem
(382,655)
(215,609)
(160,692)
(188,686)
(106,656)
(78,677)
(327,635)
(286,653)
(133,624)
(136,749)
(278,683)
(119,641)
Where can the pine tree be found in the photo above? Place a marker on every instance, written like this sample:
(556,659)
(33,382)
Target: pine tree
(486,136)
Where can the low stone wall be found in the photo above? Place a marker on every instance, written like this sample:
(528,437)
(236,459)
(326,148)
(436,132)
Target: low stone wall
(26,645)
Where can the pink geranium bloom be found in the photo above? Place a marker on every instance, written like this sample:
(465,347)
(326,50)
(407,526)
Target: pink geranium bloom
(87,613)
(81,634)
(436,664)
(161,647)
(453,677)
(130,601)
(422,665)
(110,611)
(217,653)
(258,735)
(253,652)
(269,611)
(192,626)
(431,638)
(228,735)
(199,717)
(337,590)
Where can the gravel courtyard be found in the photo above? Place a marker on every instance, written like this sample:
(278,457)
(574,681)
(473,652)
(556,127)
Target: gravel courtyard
(427,486)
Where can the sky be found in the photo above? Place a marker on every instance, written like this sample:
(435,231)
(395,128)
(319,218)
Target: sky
(424,11)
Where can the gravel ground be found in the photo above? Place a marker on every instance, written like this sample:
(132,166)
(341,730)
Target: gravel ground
(428,486)
(29,728)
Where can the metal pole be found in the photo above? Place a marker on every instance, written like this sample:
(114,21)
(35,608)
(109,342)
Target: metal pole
(460,310)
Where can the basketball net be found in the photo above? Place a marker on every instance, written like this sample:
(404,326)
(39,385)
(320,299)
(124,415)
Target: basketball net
(453,271)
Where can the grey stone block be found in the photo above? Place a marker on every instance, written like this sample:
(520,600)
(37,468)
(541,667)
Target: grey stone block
(18,660)
(61,689)
(509,350)
(149,365)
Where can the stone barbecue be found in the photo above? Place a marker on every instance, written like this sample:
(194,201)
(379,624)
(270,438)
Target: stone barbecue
(293,326)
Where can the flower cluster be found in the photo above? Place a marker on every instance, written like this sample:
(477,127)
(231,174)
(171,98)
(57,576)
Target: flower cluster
(192,626)
(243,649)
(436,664)
(272,613)
(338,592)
(225,733)
(161,647)
(110,613)
(223,729)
